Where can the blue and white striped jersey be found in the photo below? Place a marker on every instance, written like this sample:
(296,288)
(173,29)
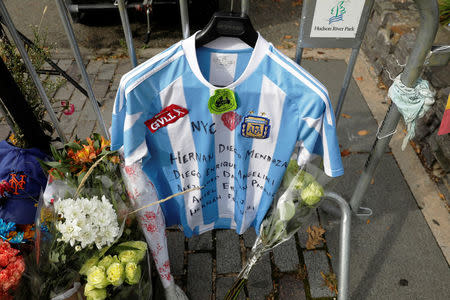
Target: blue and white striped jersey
(161,117)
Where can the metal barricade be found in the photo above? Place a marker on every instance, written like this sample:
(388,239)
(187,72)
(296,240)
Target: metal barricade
(65,19)
(429,18)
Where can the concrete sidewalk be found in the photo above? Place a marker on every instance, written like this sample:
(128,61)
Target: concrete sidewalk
(394,253)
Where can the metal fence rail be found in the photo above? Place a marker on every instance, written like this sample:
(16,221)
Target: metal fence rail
(63,13)
(429,18)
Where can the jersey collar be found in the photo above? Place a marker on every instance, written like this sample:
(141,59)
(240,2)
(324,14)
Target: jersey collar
(258,53)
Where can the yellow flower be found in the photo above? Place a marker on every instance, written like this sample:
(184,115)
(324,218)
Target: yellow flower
(85,155)
(107,261)
(132,273)
(97,278)
(114,159)
(94,294)
(12,139)
(134,256)
(116,274)
(104,143)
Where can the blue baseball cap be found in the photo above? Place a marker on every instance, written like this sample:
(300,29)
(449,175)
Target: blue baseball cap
(21,169)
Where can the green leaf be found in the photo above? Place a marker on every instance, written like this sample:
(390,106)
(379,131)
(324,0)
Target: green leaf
(96,136)
(44,167)
(74,146)
(53,164)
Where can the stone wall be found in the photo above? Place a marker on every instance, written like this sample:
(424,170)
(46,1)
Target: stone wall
(390,36)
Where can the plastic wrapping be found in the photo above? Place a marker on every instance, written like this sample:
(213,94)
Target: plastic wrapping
(300,193)
(84,231)
(142,193)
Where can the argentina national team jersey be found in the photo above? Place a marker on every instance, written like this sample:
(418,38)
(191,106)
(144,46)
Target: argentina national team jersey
(161,117)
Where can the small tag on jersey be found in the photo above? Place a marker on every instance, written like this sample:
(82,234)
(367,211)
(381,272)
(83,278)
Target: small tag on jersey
(222,101)
(255,127)
(231,120)
(168,115)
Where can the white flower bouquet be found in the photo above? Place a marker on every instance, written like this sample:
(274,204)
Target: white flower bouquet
(299,194)
(83,222)
(86,209)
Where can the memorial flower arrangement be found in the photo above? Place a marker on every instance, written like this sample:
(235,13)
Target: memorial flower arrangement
(299,194)
(12,266)
(85,207)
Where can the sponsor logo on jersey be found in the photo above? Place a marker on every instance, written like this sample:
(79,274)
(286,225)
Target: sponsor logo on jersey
(255,127)
(168,115)
(231,120)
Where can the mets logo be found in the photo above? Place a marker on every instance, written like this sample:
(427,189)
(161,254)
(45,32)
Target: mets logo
(17,184)
(255,127)
(168,115)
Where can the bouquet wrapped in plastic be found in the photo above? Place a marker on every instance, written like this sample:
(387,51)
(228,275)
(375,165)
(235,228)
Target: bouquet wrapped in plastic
(299,194)
(143,195)
(90,237)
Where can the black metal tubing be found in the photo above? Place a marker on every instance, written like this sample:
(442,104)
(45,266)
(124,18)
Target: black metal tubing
(58,71)
(92,7)
(20,111)
(54,65)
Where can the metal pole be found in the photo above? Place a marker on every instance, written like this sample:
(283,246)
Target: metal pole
(184,19)
(76,51)
(352,61)
(127,31)
(244,7)
(344,244)
(299,55)
(58,71)
(30,68)
(429,16)
(299,51)
(347,78)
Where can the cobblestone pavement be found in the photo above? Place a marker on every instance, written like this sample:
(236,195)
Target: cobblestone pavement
(396,247)
(206,265)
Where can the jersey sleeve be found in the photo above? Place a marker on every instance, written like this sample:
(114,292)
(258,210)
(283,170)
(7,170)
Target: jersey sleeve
(317,137)
(128,130)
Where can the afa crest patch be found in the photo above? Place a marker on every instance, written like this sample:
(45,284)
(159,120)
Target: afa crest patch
(255,127)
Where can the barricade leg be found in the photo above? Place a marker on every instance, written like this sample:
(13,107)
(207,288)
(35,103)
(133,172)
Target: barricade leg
(344,244)
(127,32)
